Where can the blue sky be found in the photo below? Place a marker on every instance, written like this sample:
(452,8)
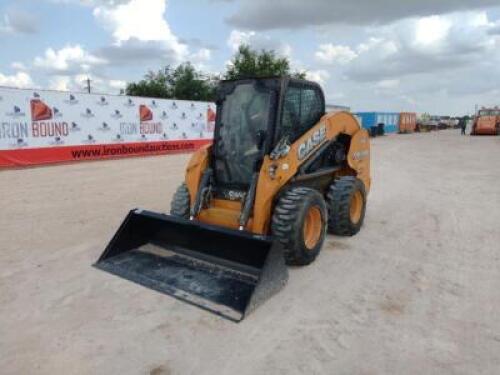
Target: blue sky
(441,56)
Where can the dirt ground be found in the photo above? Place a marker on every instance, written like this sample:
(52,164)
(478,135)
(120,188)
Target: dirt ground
(417,291)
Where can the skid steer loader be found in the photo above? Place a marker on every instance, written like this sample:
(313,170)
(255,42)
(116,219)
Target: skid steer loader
(279,174)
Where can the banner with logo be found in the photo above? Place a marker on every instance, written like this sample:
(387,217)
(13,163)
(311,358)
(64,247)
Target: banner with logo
(41,126)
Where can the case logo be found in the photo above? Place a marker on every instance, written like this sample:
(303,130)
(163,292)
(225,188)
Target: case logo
(310,143)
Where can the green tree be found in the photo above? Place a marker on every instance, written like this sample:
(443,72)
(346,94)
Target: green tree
(187,83)
(249,63)
(154,84)
(184,82)
(190,84)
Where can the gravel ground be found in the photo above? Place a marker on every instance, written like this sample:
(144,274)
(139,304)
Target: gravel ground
(417,291)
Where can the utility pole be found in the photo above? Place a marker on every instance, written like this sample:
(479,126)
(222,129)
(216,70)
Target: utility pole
(88,84)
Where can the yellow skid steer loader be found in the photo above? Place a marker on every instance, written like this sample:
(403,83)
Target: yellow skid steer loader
(279,174)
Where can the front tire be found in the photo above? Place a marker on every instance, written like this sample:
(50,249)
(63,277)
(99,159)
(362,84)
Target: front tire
(180,204)
(346,205)
(299,223)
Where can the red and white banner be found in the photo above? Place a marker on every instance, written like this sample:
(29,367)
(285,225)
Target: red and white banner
(41,126)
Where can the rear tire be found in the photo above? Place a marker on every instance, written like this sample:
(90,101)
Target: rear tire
(346,201)
(299,223)
(180,204)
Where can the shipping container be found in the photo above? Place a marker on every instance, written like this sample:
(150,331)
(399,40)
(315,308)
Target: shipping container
(407,122)
(390,120)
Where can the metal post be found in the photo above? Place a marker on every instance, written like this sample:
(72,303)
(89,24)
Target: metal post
(88,84)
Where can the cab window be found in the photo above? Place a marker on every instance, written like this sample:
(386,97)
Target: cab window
(302,109)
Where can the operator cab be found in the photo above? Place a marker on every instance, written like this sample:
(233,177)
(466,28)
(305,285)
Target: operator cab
(254,118)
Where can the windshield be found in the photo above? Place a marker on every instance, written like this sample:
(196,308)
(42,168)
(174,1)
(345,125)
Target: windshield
(243,123)
(489,112)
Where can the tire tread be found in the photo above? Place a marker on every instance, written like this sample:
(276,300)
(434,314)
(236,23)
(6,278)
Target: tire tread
(287,221)
(338,200)
(180,204)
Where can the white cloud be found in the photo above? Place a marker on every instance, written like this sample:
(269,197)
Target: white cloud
(432,30)
(137,26)
(294,14)
(329,54)
(424,46)
(16,21)
(117,84)
(61,83)
(142,21)
(103,85)
(440,64)
(140,35)
(200,59)
(388,83)
(16,65)
(91,3)
(381,45)
(67,59)
(319,76)
(20,79)
(257,41)
(201,56)
(77,82)
(5,25)
(237,37)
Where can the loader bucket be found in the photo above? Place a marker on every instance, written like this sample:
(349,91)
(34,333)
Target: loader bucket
(224,271)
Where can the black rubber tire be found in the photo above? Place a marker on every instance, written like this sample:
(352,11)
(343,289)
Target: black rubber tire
(180,204)
(288,223)
(338,200)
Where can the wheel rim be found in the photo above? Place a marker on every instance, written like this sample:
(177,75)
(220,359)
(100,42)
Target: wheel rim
(356,207)
(312,227)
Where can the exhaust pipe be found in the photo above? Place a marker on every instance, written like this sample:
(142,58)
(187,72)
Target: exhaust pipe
(227,272)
